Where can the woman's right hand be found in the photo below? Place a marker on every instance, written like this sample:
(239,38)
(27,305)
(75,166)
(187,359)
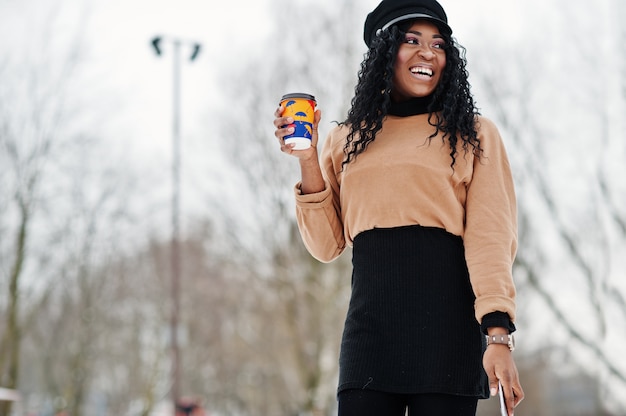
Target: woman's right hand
(280,133)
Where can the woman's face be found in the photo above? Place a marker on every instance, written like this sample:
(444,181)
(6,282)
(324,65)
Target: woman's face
(420,62)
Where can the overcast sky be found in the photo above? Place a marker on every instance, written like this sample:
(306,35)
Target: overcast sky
(117,49)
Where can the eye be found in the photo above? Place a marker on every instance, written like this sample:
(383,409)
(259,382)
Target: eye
(439,45)
(411,40)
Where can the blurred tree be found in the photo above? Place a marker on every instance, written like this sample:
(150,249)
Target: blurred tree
(300,302)
(64,201)
(132,363)
(567,151)
(33,113)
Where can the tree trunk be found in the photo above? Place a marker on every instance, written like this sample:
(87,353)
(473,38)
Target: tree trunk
(10,356)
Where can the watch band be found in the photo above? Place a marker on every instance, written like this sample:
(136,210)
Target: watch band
(505,339)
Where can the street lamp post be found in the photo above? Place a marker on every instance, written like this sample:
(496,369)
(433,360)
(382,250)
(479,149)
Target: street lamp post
(175,239)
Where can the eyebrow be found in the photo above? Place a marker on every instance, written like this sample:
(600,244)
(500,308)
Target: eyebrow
(415,32)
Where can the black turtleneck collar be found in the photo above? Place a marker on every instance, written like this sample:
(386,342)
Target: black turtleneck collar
(411,107)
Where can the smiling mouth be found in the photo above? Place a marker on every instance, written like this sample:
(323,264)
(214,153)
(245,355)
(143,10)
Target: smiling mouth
(420,70)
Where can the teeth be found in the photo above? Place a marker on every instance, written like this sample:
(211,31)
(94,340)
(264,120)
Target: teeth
(422,70)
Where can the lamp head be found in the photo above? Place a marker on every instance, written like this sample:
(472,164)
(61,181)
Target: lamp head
(155,43)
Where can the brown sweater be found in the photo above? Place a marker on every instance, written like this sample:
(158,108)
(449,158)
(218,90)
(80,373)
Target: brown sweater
(405,179)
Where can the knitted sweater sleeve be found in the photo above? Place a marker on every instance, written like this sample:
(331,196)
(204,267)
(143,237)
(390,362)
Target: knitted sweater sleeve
(319,215)
(491,226)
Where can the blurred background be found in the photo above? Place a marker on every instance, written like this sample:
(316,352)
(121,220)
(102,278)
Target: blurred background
(148,245)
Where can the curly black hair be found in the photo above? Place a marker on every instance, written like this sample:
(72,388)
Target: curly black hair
(372,97)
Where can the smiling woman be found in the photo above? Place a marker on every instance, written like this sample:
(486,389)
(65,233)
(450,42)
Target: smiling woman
(419,184)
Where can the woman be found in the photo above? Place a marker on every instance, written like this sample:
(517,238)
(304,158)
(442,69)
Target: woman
(419,184)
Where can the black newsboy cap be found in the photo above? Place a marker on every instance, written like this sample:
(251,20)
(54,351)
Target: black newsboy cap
(389,12)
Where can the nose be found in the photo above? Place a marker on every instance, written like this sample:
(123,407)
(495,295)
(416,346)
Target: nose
(426,53)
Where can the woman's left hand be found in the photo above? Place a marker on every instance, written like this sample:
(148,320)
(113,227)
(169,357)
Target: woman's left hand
(499,365)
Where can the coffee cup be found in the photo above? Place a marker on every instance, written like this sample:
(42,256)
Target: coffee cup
(301,108)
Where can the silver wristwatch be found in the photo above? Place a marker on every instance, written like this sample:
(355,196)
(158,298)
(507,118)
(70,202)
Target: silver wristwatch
(506,339)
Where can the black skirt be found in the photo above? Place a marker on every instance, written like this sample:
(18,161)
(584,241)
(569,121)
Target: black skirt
(410,326)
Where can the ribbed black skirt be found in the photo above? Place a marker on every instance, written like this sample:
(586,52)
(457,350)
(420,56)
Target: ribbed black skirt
(410,326)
